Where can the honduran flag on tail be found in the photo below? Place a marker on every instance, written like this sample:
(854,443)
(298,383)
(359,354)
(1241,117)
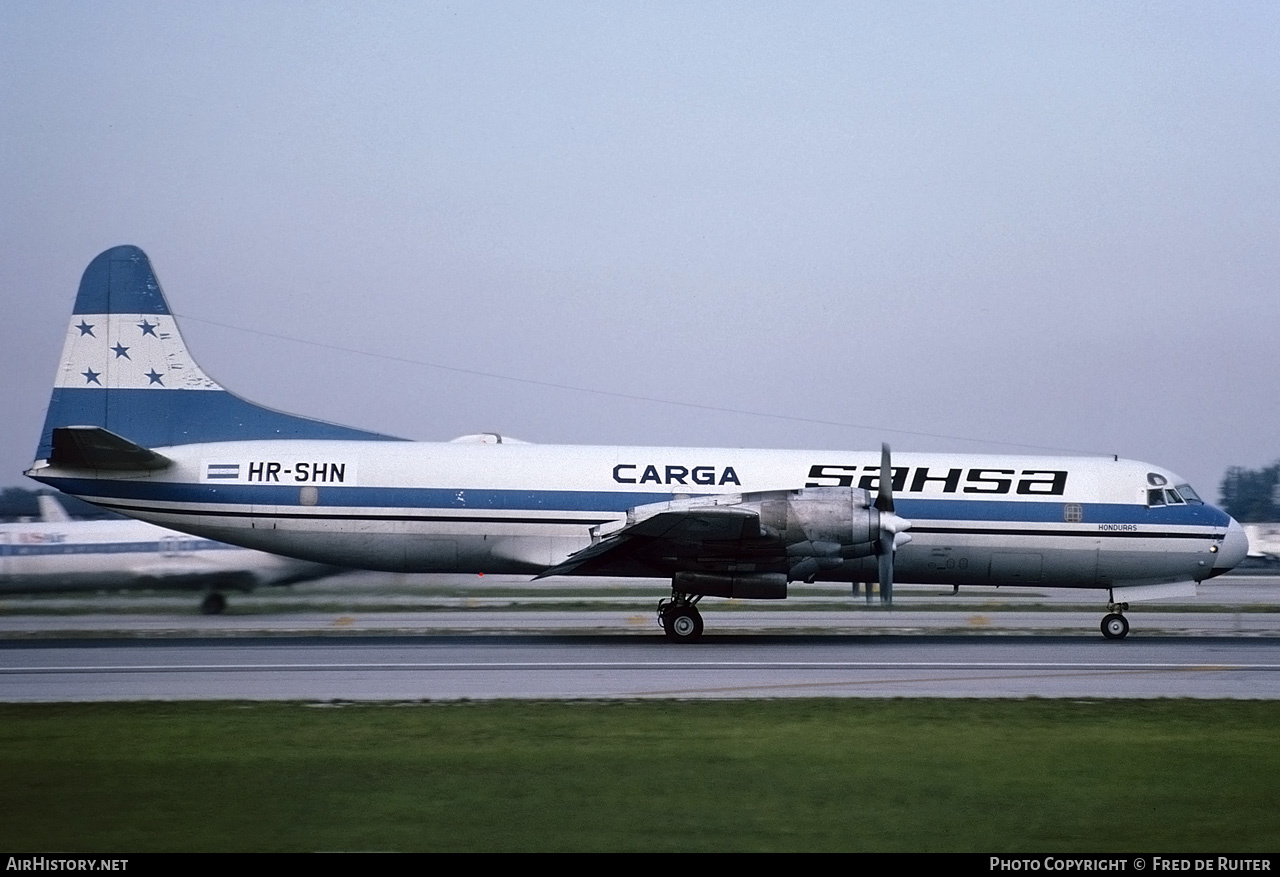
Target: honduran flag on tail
(125,368)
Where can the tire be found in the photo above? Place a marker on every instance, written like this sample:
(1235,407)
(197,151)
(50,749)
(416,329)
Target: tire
(683,624)
(664,618)
(213,604)
(1115,626)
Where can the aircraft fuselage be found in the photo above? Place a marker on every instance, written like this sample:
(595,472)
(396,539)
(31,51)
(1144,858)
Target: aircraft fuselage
(521,508)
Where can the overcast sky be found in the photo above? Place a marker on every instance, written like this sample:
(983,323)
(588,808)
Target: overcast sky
(950,226)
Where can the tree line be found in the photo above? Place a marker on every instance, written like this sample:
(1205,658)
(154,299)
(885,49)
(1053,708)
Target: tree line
(1250,494)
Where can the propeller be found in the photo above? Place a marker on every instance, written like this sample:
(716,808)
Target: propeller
(892,529)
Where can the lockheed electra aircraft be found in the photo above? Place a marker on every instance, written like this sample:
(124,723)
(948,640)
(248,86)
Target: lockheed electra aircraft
(134,425)
(58,554)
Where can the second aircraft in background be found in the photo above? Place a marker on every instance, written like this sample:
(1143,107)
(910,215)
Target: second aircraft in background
(58,554)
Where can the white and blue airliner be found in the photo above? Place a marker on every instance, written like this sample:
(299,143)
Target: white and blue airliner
(134,425)
(59,554)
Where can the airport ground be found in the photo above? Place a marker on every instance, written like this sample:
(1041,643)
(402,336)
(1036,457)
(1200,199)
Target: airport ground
(1242,604)
(374,713)
(365,637)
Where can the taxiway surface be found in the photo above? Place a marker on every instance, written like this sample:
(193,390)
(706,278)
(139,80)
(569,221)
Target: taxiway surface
(339,641)
(595,667)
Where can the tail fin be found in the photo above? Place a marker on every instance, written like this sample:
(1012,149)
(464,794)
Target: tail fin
(51,511)
(125,369)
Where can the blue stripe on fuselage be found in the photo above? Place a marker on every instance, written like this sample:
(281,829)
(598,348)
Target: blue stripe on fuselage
(418,499)
(393,498)
(184,546)
(1052,512)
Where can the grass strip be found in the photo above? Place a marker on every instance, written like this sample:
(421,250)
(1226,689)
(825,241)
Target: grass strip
(844,775)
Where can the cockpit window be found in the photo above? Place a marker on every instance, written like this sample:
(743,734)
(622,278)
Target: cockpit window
(1189,495)
(1171,497)
(1155,497)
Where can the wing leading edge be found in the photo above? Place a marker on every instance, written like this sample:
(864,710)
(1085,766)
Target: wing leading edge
(796,534)
(659,536)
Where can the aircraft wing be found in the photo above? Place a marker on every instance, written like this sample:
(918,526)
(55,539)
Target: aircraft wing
(666,536)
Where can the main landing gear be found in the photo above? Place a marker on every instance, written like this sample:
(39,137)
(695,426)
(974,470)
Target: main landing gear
(213,603)
(680,618)
(1115,625)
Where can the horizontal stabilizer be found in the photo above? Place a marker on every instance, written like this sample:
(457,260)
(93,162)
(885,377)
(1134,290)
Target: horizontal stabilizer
(92,447)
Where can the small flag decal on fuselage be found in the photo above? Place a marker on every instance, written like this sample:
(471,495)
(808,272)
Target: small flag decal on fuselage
(222,471)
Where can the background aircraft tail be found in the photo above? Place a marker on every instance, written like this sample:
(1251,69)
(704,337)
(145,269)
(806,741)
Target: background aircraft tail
(125,369)
(51,511)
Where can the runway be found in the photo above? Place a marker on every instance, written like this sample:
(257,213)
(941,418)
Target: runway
(451,668)
(354,638)
(978,621)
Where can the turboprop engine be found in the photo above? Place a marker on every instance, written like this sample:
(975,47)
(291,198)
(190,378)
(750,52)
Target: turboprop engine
(821,527)
(807,532)
(817,528)
(750,545)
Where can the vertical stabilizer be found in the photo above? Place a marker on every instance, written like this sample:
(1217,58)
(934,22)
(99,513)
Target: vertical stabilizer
(51,511)
(125,368)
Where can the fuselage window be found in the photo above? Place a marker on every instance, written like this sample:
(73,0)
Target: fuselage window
(1155,497)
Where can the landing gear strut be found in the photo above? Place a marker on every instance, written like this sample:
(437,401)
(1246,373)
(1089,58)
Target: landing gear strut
(1115,625)
(680,618)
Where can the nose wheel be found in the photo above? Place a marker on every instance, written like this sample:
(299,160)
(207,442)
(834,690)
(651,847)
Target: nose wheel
(680,619)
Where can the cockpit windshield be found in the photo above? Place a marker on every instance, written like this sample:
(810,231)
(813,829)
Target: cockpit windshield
(1159,493)
(1185,491)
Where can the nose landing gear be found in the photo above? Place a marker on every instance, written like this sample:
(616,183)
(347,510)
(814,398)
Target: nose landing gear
(1115,625)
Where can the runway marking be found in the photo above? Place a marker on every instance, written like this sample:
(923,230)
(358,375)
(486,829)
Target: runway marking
(863,683)
(637,665)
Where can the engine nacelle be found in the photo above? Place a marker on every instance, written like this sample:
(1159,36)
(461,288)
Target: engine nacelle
(761,586)
(823,517)
(806,532)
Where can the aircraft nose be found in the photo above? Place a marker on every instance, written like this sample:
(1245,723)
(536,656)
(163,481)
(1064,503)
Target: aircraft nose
(1235,546)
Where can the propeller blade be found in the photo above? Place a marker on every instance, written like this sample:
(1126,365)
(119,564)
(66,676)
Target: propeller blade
(890,526)
(884,495)
(886,568)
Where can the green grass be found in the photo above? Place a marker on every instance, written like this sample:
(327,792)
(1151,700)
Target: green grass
(919,775)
